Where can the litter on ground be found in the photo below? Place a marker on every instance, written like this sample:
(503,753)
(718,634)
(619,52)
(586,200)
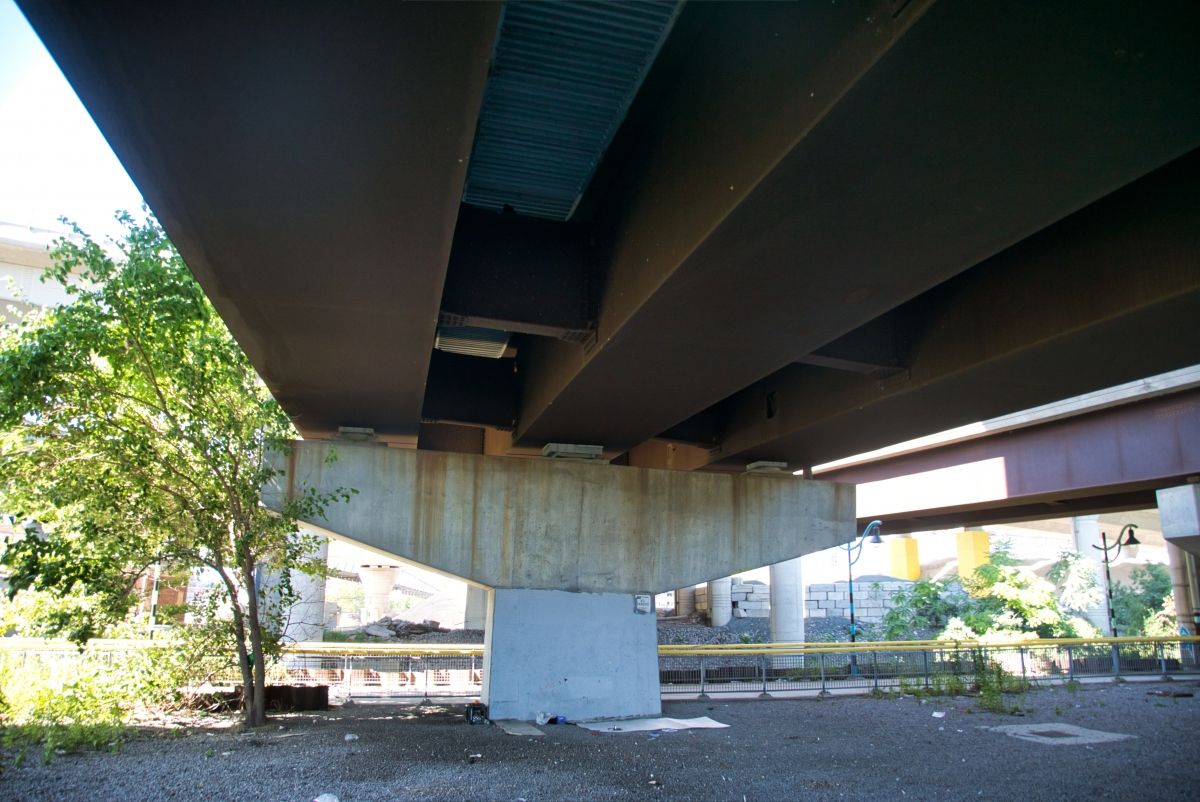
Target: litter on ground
(651,724)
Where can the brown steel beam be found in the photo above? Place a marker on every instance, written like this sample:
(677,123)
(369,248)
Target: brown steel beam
(1097,502)
(473,390)
(1100,460)
(308,162)
(798,171)
(521,275)
(1109,295)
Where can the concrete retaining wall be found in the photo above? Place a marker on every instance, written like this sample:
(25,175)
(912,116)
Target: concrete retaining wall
(750,599)
(872,599)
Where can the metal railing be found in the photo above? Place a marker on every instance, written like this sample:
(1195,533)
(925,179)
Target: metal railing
(391,670)
(913,665)
(428,671)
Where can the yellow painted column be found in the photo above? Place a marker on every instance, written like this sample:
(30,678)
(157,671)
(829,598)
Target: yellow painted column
(905,562)
(973,549)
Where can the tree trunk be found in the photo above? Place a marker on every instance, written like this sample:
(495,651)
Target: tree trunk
(256,709)
(244,663)
(244,658)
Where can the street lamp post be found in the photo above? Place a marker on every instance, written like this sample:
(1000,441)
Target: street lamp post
(870,534)
(1111,552)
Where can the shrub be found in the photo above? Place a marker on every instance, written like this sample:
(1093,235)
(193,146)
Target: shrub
(65,706)
(1139,601)
(927,605)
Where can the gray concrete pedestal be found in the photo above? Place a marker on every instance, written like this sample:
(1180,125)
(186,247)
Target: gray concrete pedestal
(475,615)
(579,655)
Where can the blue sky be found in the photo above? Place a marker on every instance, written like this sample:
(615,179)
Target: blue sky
(53,160)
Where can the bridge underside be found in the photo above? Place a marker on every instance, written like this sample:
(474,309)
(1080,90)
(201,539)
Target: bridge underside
(818,229)
(803,230)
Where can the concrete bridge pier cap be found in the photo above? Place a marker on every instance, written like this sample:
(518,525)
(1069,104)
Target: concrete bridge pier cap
(573,551)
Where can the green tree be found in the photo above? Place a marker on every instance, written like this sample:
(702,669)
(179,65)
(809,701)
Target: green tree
(1005,600)
(1002,600)
(1075,577)
(135,432)
(1139,601)
(1010,599)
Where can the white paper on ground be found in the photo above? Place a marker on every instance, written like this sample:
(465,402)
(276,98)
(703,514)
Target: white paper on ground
(650,724)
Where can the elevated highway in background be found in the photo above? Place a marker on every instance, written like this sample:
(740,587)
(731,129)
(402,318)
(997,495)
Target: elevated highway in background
(1107,452)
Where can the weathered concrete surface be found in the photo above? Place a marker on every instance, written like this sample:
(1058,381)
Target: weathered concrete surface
(475,615)
(1180,511)
(580,655)
(539,523)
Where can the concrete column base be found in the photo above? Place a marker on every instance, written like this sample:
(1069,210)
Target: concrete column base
(1179,508)
(685,601)
(905,561)
(306,619)
(720,601)
(1086,530)
(580,655)
(787,608)
(787,602)
(377,581)
(973,551)
(475,616)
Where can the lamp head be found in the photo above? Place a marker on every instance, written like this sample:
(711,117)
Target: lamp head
(871,532)
(1130,542)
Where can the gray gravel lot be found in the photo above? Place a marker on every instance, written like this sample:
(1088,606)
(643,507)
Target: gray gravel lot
(838,748)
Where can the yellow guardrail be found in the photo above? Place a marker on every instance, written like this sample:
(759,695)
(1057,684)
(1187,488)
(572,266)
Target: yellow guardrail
(906,646)
(670,650)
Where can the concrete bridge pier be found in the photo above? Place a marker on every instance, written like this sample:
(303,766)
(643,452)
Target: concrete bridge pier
(1086,531)
(580,655)
(572,550)
(685,600)
(377,582)
(476,614)
(720,601)
(787,602)
(1179,508)
(305,621)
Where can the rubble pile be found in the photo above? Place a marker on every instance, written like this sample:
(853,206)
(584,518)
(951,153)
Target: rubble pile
(399,630)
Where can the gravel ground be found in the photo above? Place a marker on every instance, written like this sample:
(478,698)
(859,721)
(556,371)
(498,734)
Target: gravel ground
(838,748)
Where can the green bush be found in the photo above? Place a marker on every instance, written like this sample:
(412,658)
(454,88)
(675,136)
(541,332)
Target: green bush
(71,701)
(1002,601)
(1138,602)
(69,704)
(927,605)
